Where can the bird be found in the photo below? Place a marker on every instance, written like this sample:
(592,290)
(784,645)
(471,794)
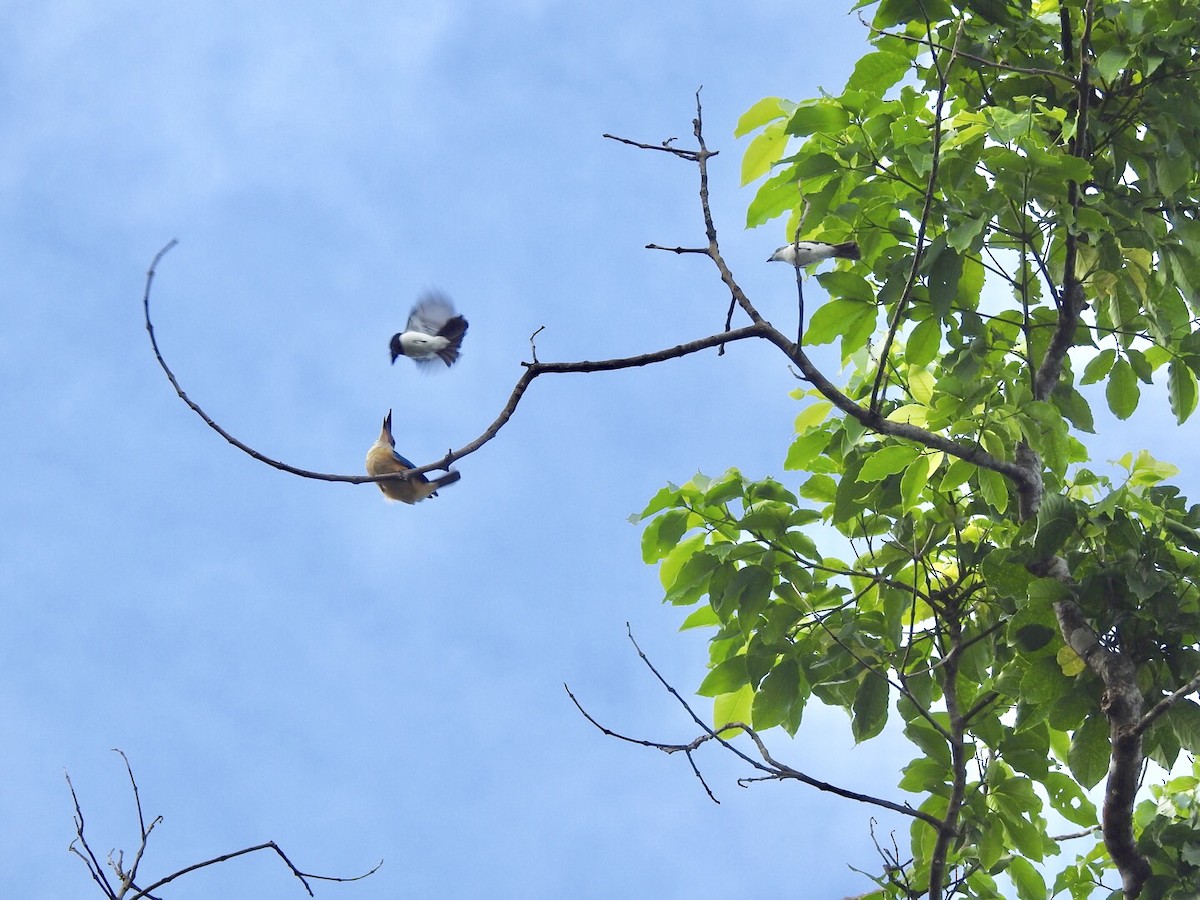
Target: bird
(814,251)
(383,459)
(434,329)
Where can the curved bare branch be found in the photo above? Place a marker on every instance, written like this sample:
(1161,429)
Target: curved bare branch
(532,371)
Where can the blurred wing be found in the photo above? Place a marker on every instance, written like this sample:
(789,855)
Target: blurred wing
(430,314)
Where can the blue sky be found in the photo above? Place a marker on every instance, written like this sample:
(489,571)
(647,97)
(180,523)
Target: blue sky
(302,662)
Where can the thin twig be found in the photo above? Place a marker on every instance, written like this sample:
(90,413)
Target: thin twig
(773,769)
(269,845)
(96,870)
(656,745)
(923,224)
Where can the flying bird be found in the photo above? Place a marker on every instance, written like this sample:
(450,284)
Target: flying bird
(806,252)
(434,330)
(382,459)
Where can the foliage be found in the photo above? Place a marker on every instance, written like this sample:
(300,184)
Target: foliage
(1022,179)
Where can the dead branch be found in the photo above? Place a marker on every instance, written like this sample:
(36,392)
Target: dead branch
(772,769)
(127,878)
(532,371)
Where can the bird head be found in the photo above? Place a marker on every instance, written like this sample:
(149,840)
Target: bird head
(385,434)
(397,348)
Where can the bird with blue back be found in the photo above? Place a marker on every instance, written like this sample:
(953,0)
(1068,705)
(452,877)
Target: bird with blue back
(382,459)
(434,331)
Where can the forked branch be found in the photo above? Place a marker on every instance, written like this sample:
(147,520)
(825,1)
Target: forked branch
(771,768)
(126,886)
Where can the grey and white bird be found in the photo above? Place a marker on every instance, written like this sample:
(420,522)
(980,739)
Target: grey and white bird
(434,331)
(805,252)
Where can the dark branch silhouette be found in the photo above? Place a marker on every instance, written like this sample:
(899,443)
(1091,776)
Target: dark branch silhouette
(772,769)
(759,328)
(127,878)
(532,371)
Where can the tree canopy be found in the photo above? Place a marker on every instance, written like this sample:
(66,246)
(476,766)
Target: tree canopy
(1023,182)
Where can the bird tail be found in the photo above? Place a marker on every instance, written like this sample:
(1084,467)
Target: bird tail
(848,250)
(449,478)
(454,331)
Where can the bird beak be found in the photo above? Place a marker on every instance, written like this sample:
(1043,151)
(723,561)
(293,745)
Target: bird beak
(385,434)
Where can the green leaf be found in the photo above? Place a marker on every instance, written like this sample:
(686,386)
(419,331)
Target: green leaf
(805,449)
(921,384)
(1088,757)
(691,582)
(994,488)
(1110,63)
(870,708)
(765,110)
(1056,519)
(895,12)
(764,151)
(839,317)
(945,272)
(775,196)
(1068,800)
(735,707)
(1026,879)
(1181,390)
(923,342)
(701,617)
(748,591)
(824,116)
(1071,404)
(888,460)
(812,415)
(914,480)
(878,71)
(663,533)
(780,698)
(725,677)
(1184,718)
(1046,591)
(924,775)
(1122,391)
(1098,366)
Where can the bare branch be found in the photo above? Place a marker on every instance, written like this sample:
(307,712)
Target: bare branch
(127,878)
(773,769)
(533,344)
(532,370)
(304,877)
(1162,706)
(94,868)
(664,147)
(656,745)
(703,251)
(1074,834)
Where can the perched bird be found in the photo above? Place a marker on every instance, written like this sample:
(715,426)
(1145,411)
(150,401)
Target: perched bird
(383,459)
(433,330)
(813,251)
